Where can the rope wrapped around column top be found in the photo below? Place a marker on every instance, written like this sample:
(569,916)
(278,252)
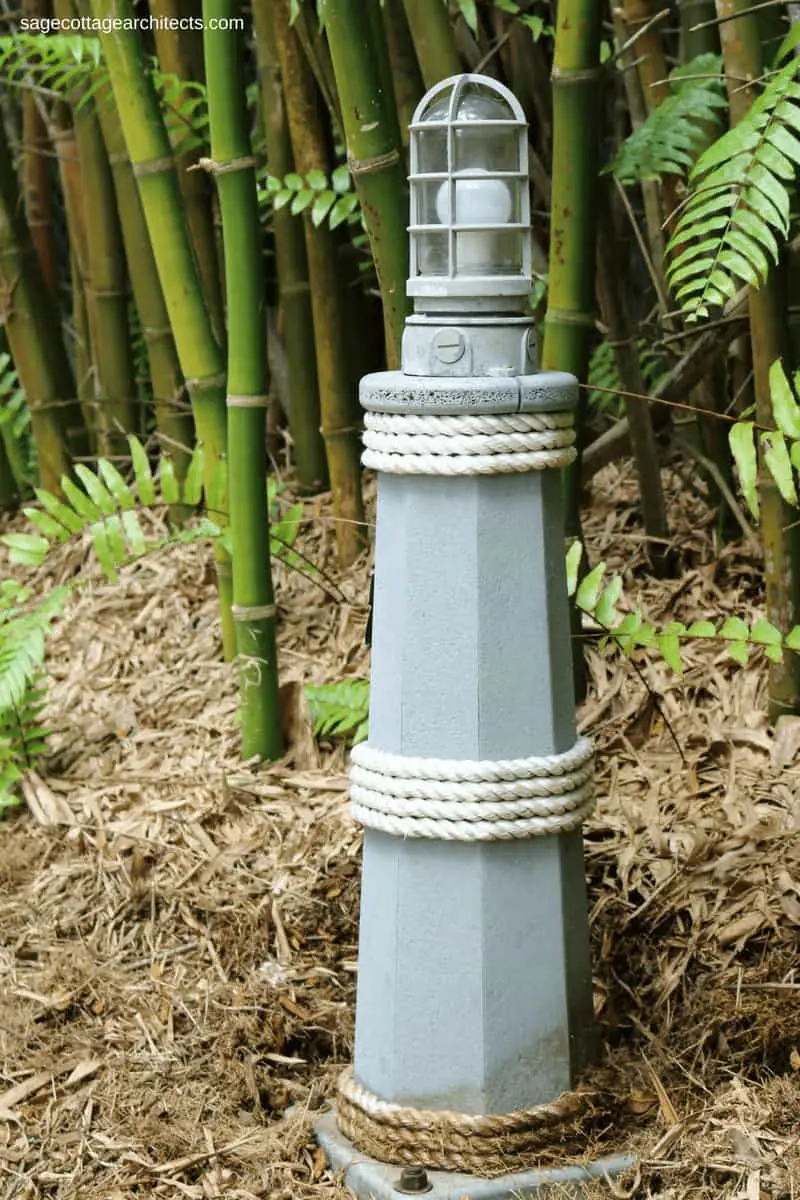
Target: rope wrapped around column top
(465,800)
(472,444)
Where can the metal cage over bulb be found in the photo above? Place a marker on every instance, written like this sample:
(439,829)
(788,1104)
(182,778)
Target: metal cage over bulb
(470,199)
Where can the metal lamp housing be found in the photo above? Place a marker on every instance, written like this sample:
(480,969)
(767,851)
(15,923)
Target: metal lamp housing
(470,251)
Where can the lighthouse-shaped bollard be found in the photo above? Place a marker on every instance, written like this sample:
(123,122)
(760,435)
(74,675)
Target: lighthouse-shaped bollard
(474,1017)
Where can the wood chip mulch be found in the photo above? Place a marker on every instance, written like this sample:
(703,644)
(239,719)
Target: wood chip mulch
(178,929)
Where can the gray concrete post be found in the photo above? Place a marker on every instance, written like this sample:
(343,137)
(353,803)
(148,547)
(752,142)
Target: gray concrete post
(474,979)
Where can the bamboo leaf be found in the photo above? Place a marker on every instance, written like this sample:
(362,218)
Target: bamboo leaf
(670,648)
(702,629)
(784,406)
(301,201)
(321,207)
(574,555)
(469,12)
(734,629)
(765,634)
(317,180)
(792,639)
(739,652)
(341,179)
(606,611)
(343,208)
(589,588)
(779,464)
(743,448)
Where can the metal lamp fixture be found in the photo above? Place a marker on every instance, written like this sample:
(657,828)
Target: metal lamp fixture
(470,205)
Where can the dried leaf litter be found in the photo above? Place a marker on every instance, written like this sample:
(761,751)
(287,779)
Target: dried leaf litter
(178,930)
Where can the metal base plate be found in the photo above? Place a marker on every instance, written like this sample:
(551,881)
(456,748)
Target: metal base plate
(371,1180)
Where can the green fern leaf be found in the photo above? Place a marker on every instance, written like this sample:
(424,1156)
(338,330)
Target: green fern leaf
(145,484)
(675,132)
(745,176)
(339,709)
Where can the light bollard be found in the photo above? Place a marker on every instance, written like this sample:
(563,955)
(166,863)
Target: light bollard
(474,1017)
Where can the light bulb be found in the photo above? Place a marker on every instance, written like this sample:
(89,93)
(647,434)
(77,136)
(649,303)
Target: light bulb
(477,202)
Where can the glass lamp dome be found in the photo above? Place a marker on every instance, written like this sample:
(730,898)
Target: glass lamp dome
(470,199)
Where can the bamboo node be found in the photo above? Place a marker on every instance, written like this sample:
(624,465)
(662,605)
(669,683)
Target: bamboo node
(345,431)
(576,74)
(153,166)
(365,166)
(207,382)
(213,167)
(234,401)
(295,289)
(254,612)
(564,317)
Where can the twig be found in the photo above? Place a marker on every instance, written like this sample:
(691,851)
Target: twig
(665,12)
(720,481)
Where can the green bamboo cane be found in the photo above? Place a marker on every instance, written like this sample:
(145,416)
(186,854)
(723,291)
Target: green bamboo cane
(743,58)
(309,145)
(569,322)
(180,55)
(9,489)
(105,283)
(174,424)
(248,384)
(433,39)
(407,77)
(698,32)
(293,284)
(33,331)
(199,353)
(374,151)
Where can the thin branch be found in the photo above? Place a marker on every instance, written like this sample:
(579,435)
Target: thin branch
(665,12)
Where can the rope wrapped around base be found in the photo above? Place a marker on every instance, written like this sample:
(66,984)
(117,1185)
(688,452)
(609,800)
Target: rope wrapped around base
(472,444)
(491,1144)
(466,801)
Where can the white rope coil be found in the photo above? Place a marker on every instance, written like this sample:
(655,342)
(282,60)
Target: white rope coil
(464,800)
(473,444)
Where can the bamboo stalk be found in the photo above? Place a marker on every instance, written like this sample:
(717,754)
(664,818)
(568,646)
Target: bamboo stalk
(9,490)
(293,284)
(640,425)
(174,424)
(107,291)
(569,321)
(33,331)
(433,39)
(178,54)
(330,336)
(374,151)
(742,52)
(406,75)
(248,385)
(697,41)
(199,353)
(37,181)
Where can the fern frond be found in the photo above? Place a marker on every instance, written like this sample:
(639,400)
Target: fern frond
(675,132)
(739,204)
(328,199)
(604,380)
(339,709)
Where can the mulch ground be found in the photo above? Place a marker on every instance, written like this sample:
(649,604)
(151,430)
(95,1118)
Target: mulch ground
(178,930)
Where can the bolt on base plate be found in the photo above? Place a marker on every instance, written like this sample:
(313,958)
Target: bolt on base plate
(371,1180)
